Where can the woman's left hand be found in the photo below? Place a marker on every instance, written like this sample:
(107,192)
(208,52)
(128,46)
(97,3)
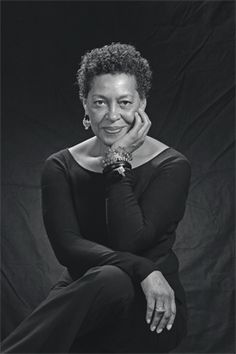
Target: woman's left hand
(136,135)
(161,307)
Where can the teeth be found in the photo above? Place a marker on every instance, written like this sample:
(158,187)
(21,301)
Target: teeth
(113,131)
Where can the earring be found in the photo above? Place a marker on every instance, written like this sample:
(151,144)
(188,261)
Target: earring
(86,122)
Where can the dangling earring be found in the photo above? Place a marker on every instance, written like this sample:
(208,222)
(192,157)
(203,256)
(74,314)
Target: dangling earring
(86,122)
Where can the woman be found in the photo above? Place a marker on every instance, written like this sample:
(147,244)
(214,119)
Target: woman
(111,205)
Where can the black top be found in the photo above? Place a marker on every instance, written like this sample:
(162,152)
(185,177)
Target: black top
(129,223)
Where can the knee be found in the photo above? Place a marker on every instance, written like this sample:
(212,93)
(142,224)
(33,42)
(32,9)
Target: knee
(114,282)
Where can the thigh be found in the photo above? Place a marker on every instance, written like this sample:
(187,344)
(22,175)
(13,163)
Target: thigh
(116,294)
(64,280)
(132,334)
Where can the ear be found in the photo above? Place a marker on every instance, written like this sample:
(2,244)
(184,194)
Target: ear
(143,104)
(85,105)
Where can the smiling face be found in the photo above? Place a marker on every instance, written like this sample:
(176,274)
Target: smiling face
(111,103)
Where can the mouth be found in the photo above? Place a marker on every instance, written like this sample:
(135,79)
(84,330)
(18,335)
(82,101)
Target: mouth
(113,130)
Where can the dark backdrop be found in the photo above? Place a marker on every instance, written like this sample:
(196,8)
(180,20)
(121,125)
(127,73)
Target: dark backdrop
(190,46)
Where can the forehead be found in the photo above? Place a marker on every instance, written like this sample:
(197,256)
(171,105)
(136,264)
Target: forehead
(120,83)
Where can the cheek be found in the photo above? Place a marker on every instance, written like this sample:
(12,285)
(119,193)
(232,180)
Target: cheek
(95,116)
(128,115)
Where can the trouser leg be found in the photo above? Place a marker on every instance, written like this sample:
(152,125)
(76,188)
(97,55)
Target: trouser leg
(131,333)
(99,296)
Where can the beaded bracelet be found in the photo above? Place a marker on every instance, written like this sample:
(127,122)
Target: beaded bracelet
(116,155)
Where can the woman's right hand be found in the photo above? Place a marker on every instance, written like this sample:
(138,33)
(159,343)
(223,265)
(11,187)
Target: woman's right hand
(161,308)
(137,134)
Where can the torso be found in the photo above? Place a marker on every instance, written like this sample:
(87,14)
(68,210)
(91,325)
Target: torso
(83,153)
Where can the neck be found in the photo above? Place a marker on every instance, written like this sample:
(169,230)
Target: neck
(98,148)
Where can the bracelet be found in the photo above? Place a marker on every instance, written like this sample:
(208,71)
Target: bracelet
(117,169)
(118,166)
(116,155)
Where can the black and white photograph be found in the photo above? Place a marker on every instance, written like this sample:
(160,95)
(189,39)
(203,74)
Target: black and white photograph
(118,182)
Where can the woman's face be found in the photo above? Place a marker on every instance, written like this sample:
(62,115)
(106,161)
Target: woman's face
(111,103)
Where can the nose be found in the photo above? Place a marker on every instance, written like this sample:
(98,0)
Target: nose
(113,113)
(113,116)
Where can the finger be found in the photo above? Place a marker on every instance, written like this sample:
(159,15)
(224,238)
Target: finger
(156,320)
(146,123)
(150,308)
(173,314)
(144,116)
(166,316)
(141,123)
(157,315)
(143,131)
(137,124)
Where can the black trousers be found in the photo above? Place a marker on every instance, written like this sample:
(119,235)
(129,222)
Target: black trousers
(101,312)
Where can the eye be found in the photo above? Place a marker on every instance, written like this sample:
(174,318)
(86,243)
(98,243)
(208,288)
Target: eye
(99,103)
(125,103)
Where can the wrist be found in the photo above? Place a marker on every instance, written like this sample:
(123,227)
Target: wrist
(117,171)
(115,155)
(116,163)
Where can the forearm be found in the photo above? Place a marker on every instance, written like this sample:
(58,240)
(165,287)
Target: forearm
(79,254)
(125,220)
(138,221)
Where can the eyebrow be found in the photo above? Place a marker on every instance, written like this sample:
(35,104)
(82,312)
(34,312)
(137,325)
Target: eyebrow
(122,96)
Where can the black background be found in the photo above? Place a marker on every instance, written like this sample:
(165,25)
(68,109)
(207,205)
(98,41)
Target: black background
(190,46)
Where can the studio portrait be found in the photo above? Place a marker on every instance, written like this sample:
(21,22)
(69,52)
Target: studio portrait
(118,177)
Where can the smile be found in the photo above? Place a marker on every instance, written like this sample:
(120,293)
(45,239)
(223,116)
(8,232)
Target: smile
(113,130)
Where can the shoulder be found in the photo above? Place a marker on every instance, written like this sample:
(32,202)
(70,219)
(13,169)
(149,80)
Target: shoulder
(162,158)
(78,151)
(82,148)
(171,155)
(56,163)
(149,150)
(156,152)
(75,150)
(172,165)
(57,157)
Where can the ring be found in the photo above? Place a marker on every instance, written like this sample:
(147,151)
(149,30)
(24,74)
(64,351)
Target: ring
(159,309)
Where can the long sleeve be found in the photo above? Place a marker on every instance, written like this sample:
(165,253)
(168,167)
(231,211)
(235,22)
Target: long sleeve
(137,225)
(71,248)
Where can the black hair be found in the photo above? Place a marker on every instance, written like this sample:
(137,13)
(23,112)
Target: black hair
(113,59)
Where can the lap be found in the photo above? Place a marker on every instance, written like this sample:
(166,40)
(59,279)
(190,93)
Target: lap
(128,333)
(131,334)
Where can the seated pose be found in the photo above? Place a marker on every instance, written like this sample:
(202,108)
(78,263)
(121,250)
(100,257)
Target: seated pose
(111,205)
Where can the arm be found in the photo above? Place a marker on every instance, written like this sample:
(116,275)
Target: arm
(136,225)
(62,226)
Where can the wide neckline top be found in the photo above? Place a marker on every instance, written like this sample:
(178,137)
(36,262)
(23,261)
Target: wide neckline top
(133,168)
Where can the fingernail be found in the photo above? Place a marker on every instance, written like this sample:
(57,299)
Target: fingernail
(159,330)
(153,328)
(148,320)
(169,327)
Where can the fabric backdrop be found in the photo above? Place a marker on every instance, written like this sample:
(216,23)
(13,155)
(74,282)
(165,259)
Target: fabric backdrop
(190,46)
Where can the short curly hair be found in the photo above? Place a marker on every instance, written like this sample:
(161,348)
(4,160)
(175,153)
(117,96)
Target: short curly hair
(112,59)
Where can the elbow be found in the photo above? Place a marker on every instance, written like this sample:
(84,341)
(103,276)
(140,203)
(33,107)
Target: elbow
(62,256)
(63,259)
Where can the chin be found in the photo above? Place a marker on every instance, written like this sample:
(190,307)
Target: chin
(110,140)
